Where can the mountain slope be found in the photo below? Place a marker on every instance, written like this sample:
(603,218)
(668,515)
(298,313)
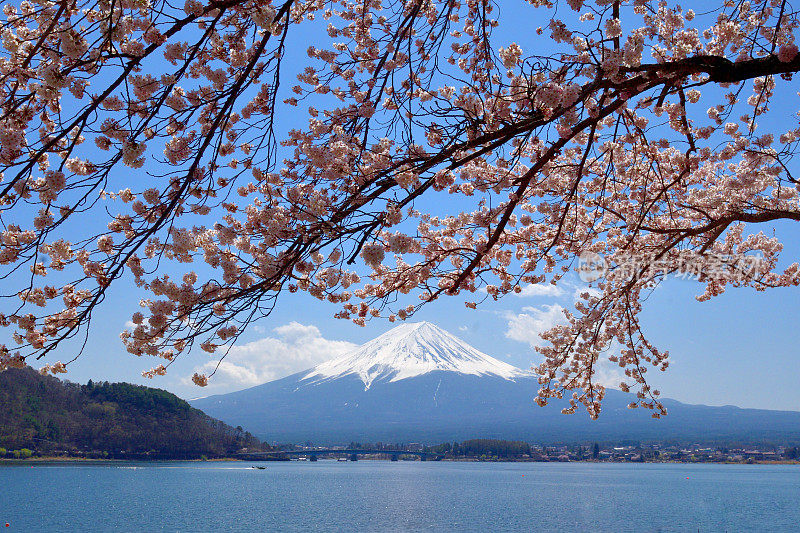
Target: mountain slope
(45,414)
(442,406)
(415,384)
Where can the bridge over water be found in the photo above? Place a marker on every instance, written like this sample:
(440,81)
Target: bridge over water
(395,454)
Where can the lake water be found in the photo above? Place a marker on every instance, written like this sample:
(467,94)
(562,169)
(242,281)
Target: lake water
(399,496)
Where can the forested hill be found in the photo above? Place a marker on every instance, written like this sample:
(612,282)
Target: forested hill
(120,420)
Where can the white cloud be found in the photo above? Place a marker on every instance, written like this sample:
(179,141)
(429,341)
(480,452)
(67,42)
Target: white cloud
(532,322)
(607,373)
(295,347)
(585,289)
(463,328)
(528,326)
(540,289)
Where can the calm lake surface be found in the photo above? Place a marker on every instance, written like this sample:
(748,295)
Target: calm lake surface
(399,496)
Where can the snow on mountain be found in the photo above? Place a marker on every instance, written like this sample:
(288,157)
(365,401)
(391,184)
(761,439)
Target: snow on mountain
(410,350)
(458,393)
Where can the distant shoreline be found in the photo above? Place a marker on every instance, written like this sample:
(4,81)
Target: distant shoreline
(60,459)
(77,460)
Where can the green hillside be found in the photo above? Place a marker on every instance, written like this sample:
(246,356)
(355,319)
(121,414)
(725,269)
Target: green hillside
(119,420)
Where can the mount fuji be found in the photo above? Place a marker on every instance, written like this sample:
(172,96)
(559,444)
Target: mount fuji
(419,383)
(408,351)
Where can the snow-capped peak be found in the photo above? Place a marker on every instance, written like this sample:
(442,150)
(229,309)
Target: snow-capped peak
(409,350)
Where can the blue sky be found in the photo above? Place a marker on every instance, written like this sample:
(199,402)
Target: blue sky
(740,348)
